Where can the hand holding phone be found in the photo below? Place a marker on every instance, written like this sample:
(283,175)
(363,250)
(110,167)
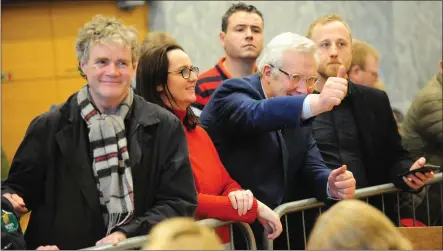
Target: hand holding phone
(424,169)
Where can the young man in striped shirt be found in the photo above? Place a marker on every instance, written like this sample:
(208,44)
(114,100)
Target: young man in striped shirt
(242,39)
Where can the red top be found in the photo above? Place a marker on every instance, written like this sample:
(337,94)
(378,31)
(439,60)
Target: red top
(213,182)
(208,81)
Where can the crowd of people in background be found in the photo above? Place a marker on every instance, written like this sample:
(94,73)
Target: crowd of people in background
(150,144)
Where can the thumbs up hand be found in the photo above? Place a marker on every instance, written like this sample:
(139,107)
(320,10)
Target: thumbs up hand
(341,72)
(342,183)
(334,91)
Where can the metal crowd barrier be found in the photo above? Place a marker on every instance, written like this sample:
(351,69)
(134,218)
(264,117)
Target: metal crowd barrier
(301,205)
(139,241)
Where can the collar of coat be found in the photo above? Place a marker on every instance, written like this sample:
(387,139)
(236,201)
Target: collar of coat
(141,113)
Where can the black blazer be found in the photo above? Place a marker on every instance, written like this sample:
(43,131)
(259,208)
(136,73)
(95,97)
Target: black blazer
(383,154)
(52,172)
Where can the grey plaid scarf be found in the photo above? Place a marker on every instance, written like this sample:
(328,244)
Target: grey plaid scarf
(111,164)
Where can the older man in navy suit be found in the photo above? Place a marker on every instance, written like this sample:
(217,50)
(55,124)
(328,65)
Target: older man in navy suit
(260,125)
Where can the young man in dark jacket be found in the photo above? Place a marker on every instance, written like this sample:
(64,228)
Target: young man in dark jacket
(106,165)
(361,132)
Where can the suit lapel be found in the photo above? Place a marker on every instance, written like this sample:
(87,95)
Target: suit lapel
(73,146)
(364,119)
(142,118)
(284,155)
(255,81)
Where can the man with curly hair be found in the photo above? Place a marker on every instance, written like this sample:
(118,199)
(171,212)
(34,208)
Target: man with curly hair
(105,165)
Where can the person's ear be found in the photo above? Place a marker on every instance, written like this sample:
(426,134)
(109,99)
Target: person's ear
(267,71)
(354,69)
(81,67)
(160,88)
(222,36)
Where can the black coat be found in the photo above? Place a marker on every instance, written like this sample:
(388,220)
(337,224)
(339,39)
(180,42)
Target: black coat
(52,172)
(383,154)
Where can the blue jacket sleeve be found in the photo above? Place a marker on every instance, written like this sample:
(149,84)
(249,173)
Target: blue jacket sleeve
(315,170)
(238,106)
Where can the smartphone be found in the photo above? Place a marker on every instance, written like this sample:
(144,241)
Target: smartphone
(424,169)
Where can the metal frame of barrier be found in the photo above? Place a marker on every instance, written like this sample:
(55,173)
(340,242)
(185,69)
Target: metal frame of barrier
(139,241)
(301,205)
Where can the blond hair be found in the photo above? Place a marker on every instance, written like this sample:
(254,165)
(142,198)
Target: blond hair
(182,233)
(360,51)
(103,29)
(353,224)
(324,20)
(379,85)
(156,38)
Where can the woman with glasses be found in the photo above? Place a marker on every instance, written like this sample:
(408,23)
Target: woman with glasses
(166,76)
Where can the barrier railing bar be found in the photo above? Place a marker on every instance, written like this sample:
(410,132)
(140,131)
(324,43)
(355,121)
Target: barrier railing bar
(130,243)
(139,241)
(301,205)
(441,201)
(287,232)
(398,208)
(304,226)
(249,235)
(413,209)
(231,233)
(383,203)
(427,207)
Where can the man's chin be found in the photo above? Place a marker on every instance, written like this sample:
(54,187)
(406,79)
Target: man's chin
(250,56)
(332,71)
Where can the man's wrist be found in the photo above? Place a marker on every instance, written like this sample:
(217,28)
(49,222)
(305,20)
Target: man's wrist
(329,193)
(306,109)
(314,102)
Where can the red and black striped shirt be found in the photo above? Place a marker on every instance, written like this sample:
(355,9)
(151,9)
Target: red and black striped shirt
(208,81)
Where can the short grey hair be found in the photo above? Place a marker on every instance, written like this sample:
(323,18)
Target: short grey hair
(287,41)
(104,30)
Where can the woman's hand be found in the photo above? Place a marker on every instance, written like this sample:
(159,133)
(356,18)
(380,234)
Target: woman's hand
(270,220)
(241,200)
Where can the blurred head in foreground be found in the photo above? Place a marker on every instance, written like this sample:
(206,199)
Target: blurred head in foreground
(353,224)
(182,234)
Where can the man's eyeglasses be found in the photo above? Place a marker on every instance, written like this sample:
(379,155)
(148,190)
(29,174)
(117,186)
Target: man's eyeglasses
(186,72)
(297,79)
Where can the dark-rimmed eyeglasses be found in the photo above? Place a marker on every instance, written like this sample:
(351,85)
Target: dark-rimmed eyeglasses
(297,79)
(186,72)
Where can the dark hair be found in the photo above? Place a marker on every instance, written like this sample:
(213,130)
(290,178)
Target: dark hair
(236,8)
(152,71)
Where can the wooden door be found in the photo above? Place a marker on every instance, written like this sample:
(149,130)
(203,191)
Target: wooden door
(28,59)
(38,50)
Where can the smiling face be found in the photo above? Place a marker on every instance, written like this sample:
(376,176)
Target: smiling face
(293,62)
(182,90)
(243,38)
(109,71)
(333,42)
